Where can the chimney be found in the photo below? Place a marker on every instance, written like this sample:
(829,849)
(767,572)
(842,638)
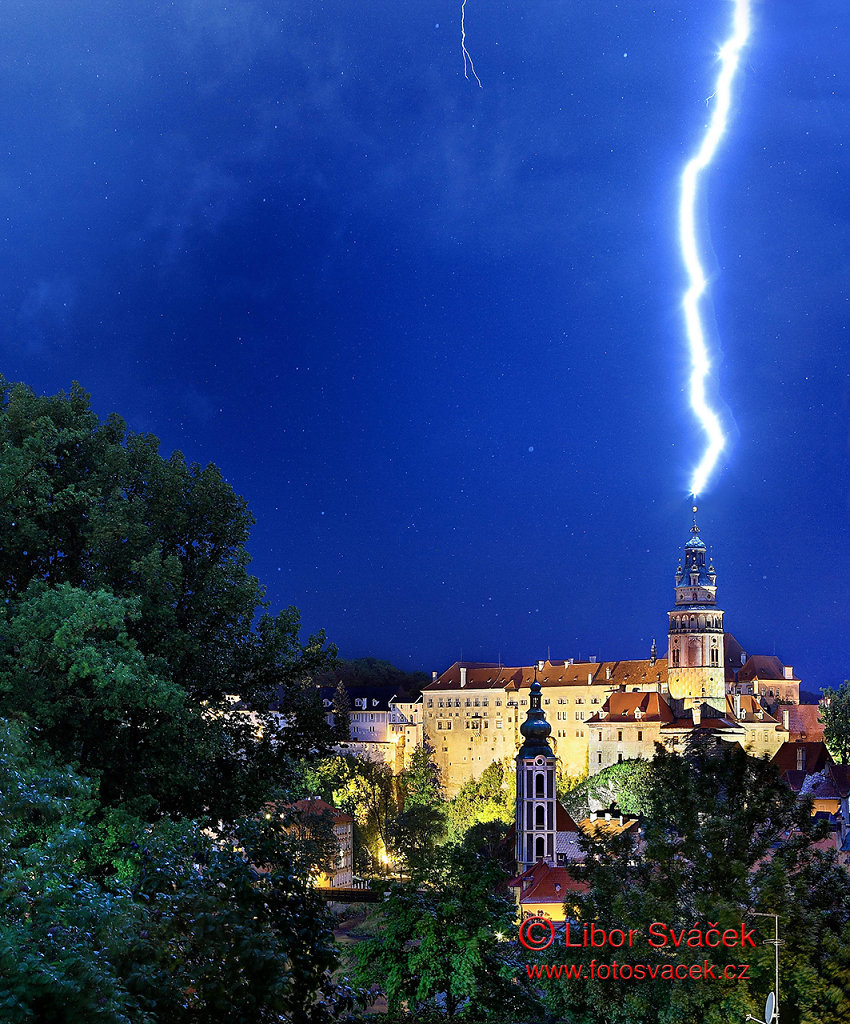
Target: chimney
(589,678)
(540,665)
(786,718)
(608,672)
(592,659)
(463,675)
(593,815)
(607,815)
(434,676)
(736,701)
(789,672)
(697,713)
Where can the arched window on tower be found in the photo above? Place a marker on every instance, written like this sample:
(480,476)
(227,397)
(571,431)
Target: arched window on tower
(539,784)
(539,818)
(539,848)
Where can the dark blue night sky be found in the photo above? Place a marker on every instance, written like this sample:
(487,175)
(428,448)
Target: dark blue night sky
(432,332)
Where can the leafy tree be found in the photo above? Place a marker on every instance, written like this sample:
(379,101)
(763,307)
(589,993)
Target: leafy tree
(436,944)
(148,557)
(368,792)
(723,839)
(420,780)
(68,664)
(197,929)
(414,836)
(341,707)
(489,798)
(628,784)
(835,714)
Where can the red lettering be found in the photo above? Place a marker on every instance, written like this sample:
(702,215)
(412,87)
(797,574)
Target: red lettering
(656,934)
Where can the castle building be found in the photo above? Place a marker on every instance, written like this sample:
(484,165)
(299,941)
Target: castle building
(600,713)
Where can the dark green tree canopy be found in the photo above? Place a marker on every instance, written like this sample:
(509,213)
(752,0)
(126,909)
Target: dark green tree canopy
(130,614)
(835,714)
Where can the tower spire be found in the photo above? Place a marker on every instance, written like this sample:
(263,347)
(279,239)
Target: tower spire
(695,656)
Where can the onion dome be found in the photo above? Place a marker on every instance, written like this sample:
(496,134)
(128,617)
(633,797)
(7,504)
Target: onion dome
(535,729)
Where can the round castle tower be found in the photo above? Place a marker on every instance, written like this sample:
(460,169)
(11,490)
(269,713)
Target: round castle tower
(695,658)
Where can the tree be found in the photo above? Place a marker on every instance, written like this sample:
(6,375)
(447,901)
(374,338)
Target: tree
(437,944)
(196,929)
(148,556)
(723,838)
(420,780)
(835,715)
(341,707)
(490,798)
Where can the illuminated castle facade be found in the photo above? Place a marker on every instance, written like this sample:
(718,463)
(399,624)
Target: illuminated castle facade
(599,713)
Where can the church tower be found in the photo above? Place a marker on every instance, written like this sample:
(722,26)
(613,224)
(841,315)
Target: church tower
(695,662)
(536,799)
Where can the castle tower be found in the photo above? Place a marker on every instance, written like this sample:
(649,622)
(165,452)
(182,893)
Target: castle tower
(536,798)
(695,662)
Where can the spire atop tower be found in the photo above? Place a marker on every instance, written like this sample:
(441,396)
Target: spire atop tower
(695,528)
(535,728)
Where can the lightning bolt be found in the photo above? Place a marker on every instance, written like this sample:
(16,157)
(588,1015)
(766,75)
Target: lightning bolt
(467,60)
(729,57)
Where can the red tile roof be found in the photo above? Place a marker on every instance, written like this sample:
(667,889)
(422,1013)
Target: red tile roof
(803,721)
(750,710)
(318,806)
(563,821)
(545,883)
(621,707)
(816,755)
(479,676)
(764,666)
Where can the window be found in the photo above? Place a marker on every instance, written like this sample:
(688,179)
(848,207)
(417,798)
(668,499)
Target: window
(675,655)
(498,723)
(619,758)
(599,757)
(538,785)
(619,735)
(600,737)
(539,819)
(430,702)
(640,735)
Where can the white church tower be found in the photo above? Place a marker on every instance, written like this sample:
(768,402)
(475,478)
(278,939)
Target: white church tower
(536,799)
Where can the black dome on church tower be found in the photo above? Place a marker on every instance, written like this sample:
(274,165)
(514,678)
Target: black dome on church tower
(535,728)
